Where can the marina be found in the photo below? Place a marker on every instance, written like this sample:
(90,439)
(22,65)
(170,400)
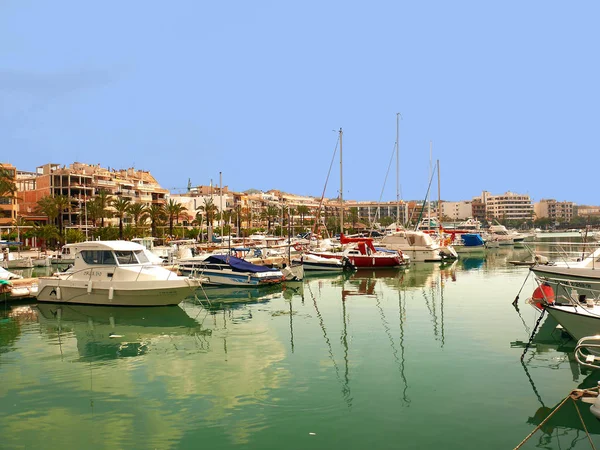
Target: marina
(431,355)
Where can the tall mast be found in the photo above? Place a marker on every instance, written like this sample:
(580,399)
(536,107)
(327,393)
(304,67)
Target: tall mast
(397,170)
(341,188)
(221,203)
(428,199)
(439,208)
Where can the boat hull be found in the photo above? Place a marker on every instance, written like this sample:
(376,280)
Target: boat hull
(227,278)
(367,261)
(578,321)
(584,280)
(153,293)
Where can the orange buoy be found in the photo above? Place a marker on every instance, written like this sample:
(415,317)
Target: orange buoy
(543,294)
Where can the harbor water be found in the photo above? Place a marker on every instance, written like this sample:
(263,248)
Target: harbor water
(428,358)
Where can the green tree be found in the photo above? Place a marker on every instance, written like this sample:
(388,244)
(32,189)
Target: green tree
(353,216)
(303,211)
(8,188)
(156,214)
(209,210)
(121,206)
(173,211)
(54,208)
(270,213)
(46,234)
(103,200)
(138,212)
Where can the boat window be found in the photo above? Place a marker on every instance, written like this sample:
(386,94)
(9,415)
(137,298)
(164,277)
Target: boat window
(141,256)
(98,257)
(125,257)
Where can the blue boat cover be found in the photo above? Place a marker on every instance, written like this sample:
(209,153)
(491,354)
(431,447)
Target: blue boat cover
(237,264)
(472,240)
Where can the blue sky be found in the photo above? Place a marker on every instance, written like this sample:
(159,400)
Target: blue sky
(506,92)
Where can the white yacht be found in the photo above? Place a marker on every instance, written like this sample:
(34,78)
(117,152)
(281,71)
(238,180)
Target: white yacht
(419,246)
(115,273)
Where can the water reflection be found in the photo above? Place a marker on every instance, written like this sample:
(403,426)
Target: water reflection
(552,349)
(108,332)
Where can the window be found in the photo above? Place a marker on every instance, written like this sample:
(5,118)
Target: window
(141,256)
(98,257)
(125,257)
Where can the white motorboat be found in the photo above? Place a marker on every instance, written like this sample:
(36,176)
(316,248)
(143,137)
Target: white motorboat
(419,246)
(6,275)
(66,255)
(115,273)
(42,261)
(501,235)
(226,270)
(315,263)
(583,275)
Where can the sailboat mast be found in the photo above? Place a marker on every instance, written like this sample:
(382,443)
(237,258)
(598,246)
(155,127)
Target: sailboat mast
(397,170)
(439,208)
(428,199)
(341,189)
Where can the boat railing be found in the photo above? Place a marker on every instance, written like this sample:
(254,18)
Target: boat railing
(565,252)
(570,291)
(70,274)
(587,352)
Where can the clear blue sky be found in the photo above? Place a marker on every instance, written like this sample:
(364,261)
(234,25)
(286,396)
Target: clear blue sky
(507,92)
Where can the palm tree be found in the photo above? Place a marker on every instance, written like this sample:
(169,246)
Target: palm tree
(103,200)
(8,188)
(268,214)
(45,233)
(302,210)
(63,204)
(173,210)
(53,208)
(138,211)
(94,212)
(354,216)
(121,206)
(209,210)
(237,217)
(156,213)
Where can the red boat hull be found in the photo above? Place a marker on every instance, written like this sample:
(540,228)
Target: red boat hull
(366,261)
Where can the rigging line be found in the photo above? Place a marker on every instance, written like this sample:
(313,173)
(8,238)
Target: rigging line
(402,320)
(325,187)
(328,342)
(425,199)
(386,327)
(384,182)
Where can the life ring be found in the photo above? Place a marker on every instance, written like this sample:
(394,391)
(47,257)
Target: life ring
(297,247)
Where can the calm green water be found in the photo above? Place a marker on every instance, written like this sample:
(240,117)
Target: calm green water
(423,358)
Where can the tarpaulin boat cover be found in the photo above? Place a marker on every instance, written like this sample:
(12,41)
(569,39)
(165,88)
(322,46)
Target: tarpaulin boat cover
(237,264)
(472,240)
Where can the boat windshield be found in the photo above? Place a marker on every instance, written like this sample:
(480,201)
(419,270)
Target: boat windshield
(131,257)
(98,257)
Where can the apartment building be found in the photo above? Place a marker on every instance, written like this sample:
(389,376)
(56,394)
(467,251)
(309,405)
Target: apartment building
(8,205)
(457,210)
(81,182)
(550,208)
(507,206)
